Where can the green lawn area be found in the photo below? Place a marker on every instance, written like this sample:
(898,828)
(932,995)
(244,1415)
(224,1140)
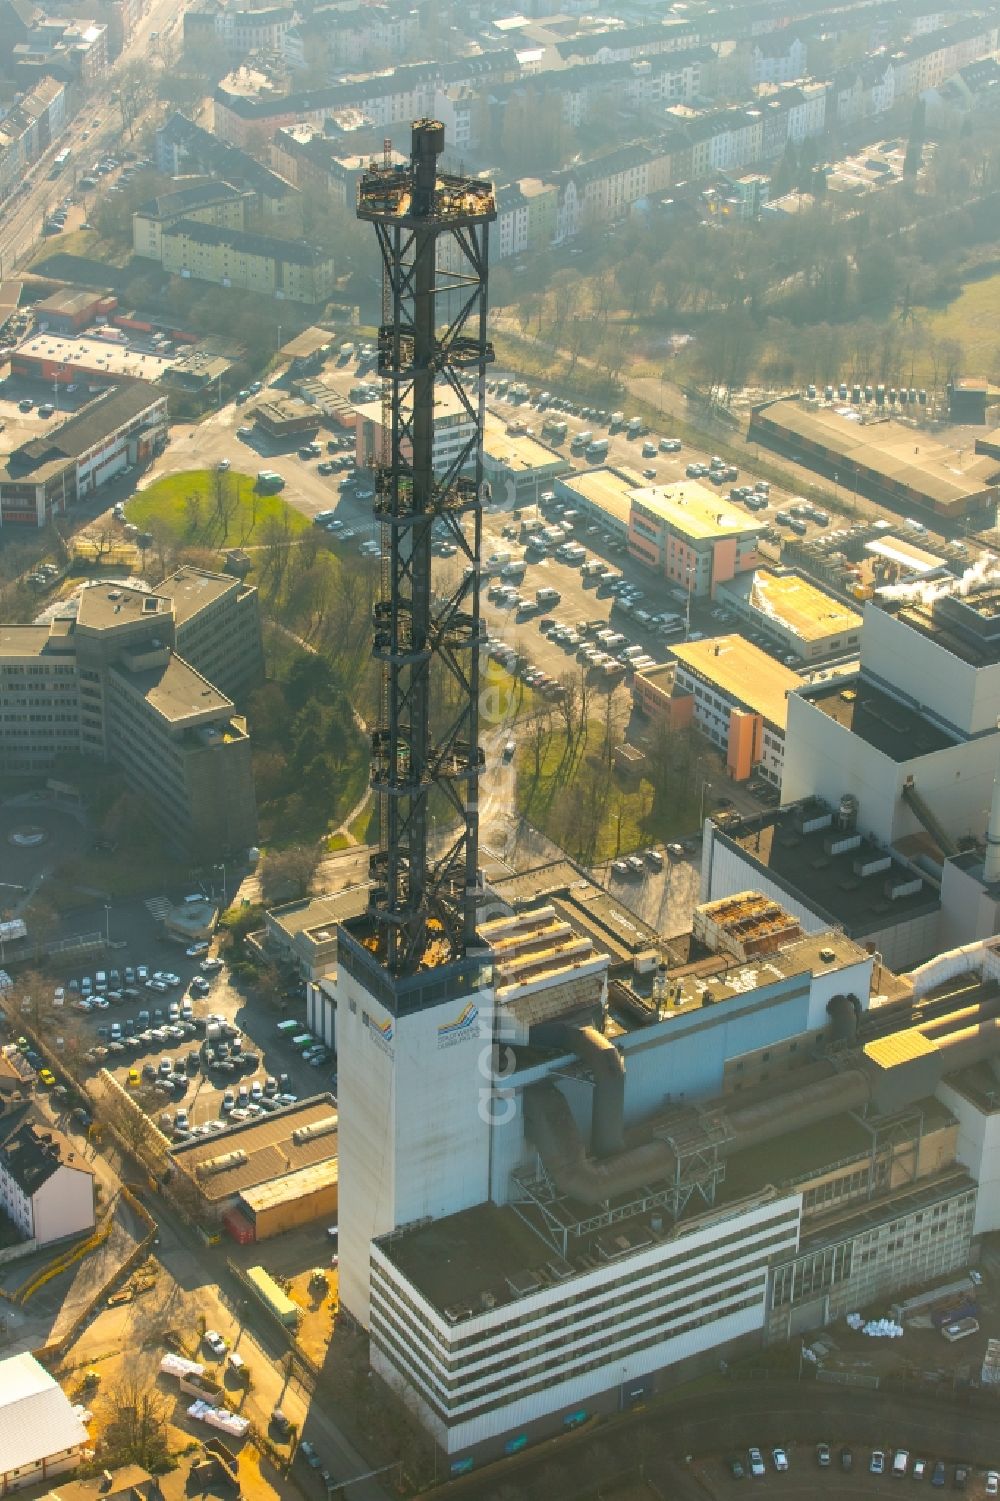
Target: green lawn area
(82,242)
(589,807)
(204,508)
(971,318)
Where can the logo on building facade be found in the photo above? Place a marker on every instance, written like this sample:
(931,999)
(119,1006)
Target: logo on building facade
(379,1032)
(466,1024)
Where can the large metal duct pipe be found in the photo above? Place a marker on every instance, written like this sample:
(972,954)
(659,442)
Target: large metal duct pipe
(795,1108)
(971,1045)
(551,1126)
(949,964)
(959,1020)
(605,1062)
(844,1012)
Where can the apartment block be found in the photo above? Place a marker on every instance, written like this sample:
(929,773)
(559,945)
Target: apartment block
(204,203)
(46,1187)
(122,681)
(71,50)
(237,29)
(29,128)
(289,270)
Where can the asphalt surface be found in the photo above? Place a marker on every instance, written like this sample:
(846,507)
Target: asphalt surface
(700,1433)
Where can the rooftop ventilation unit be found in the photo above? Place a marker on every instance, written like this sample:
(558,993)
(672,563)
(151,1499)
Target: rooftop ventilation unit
(221,1164)
(323,1127)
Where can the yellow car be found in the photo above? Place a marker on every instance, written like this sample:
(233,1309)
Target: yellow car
(134,1078)
(47,1076)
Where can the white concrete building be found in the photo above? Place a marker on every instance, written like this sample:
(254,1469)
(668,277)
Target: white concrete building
(40,1434)
(777,58)
(914,737)
(46,1187)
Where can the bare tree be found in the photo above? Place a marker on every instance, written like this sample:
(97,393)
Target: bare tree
(137,1433)
(287,874)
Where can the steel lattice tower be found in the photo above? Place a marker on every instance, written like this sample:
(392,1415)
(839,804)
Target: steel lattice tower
(433,233)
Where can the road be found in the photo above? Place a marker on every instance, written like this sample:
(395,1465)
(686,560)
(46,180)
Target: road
(22,216)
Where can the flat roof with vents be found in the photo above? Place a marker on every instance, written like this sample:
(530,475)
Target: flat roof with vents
(267,1149)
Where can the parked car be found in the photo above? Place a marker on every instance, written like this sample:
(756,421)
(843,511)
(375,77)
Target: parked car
(215,1342)
(309,1454)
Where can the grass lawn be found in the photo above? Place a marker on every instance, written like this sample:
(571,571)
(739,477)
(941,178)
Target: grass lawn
(971,318)
(336,842)
(204,508)
(82,242)
(365,826)
(626,815)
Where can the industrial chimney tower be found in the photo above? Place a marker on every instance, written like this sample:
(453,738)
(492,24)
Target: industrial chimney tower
(432,231)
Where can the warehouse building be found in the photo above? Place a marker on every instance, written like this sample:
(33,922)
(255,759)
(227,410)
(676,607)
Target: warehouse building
(296,1199)
(803,620)
(41,1434)
(902,467)
(127,425)
(95,359)
(732,692)
(691,536)
(245,1173)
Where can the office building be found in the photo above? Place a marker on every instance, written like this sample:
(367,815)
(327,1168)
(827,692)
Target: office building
(692,536)
(41,1434)
(602,495)
(518,467)
(802,620)
(455,430)
(111,683)
(730,690)
(69,460)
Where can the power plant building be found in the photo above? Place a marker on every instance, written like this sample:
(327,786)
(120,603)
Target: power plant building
(558,1189)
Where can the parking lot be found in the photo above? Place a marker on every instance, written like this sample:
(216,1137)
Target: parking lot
(217,1056)
(850,1471)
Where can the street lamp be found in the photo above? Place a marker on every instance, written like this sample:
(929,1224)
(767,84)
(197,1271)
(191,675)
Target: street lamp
(222,867)
(107,925)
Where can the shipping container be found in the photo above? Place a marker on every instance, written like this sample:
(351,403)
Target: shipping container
(238,1228)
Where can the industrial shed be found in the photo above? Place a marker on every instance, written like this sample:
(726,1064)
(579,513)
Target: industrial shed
(904,467)
(261,1154)
(295,1199)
